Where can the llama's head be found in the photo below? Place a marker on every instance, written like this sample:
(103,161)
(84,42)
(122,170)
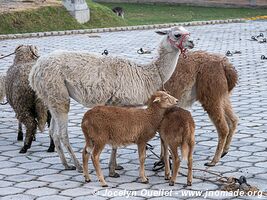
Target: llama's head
(162,100)
(178,38)
(26,53)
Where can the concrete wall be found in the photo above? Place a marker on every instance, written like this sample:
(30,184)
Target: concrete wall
(208,3)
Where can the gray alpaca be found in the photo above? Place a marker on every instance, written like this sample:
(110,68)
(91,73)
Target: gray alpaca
(90,79)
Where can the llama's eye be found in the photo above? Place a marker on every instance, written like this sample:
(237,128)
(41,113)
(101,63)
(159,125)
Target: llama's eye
(177,35)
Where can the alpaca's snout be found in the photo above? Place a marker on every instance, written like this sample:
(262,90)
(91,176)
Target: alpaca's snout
(191,44)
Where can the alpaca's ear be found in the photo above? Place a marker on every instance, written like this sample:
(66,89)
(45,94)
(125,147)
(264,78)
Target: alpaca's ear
(34,50)
(18,47)
(156,100)
(163,32)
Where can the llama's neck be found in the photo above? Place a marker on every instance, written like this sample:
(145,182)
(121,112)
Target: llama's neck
(155,114)
(167,60)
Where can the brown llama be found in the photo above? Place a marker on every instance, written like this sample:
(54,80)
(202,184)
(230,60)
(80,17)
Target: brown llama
(209,79)
(177,129)
(120,126)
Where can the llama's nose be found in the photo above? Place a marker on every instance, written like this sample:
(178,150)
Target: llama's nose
(177,101)
(191,44)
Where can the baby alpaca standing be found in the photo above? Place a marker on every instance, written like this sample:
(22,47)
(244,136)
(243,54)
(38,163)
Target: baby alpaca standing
(120,126)
(177,130)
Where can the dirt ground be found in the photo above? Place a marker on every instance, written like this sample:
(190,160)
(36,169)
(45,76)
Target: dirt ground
(19,5)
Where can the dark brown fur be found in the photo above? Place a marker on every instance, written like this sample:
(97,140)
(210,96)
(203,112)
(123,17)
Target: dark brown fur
(29,110)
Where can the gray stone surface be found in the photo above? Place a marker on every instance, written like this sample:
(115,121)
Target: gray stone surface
(40,175)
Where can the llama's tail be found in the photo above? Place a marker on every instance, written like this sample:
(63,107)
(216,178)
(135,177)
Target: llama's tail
(185,150)
(42,114)
(2,88)
(231,74)
(188,141)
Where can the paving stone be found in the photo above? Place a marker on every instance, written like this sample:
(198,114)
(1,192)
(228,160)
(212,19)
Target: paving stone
(12,171)
(10,190)
(5,183)
(54,177)
(41,172)
(33,165)
(30,184)
(20,177)
(43,191)
(57,197)
(18,197)
(80,191)
(65,184)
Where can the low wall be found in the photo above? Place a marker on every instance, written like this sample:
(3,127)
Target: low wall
(207,3)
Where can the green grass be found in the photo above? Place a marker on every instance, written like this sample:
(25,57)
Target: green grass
(57,18)
(136,14)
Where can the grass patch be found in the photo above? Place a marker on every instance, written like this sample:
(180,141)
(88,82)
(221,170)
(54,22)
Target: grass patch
(57,18)
(140,14)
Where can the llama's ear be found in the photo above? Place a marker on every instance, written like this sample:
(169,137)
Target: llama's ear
(163,32)
(34,50)
(18,47)
(156,100)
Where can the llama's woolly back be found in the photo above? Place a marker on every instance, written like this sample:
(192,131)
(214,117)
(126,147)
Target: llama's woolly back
(100,79)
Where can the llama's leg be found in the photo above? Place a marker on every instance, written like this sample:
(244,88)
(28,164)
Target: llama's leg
(117,166)
(53,132)
(97,149)
(86,156)
(190,165)
(142,157)
(31,128)
(216,114)
(176,162)
(62,125)
(51,146)
(20,133)
(164,147)
(232,121)
(161,158)
(113,163)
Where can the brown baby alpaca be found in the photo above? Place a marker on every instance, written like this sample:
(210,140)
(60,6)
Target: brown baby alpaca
(120,126)
(177,130)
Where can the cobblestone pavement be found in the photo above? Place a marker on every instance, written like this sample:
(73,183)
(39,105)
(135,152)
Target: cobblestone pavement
(40,175)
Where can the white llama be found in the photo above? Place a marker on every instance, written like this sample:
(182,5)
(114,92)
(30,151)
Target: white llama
(90,79)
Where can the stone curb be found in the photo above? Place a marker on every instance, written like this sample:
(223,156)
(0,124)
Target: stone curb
(113,29)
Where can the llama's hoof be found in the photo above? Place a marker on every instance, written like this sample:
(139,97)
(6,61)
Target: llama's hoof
(224,153)
(23,150)
(51,149)
(70,167)
(80,169)
(114,175)
(189,183)
(105,185)
(167,178)
(145,181)
(119,167)
(87,180)
(171,183)
(33,138)
(210,164)
(20,136)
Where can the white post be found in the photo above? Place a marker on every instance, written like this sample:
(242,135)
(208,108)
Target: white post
(78,9)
